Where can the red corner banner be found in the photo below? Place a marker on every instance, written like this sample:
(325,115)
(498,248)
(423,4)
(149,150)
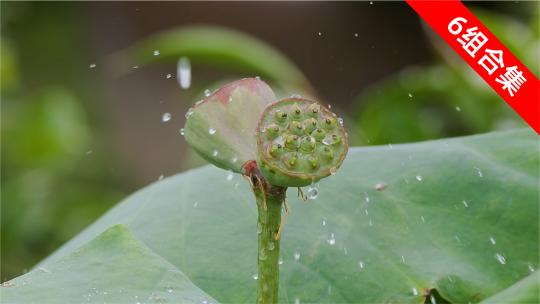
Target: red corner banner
(485,54)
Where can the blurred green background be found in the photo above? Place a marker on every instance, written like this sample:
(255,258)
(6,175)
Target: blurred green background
(84,91)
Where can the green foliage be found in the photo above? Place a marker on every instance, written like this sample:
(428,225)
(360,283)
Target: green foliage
(446,99)
(219,47)
(458,215)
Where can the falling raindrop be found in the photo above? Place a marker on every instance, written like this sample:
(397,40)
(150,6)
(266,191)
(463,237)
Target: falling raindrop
(135,67)
(414,291)
(156,53)
(500,258)
(492,240)
(370,223)
(259,228)
(380,186)
(355,34)
(345,251)
(324,222)
(168,76)
(361,264)
(170,289)
(465,204)
(531,268)
(319,33)
(183,73)
(234,159)
(403,259)
(296,301)
(195,204)
(229,176)
(182,132)
(215,153)
(458,109)
(255,276)
(331,240)
(422,218)
(366,197)
(93,65)
(161,177)
(166,117)
(280,261)
(366,212)
(211,131)
(296,256)
(207,92)
(419,178)
(479,172)
(432,299)
(410,95)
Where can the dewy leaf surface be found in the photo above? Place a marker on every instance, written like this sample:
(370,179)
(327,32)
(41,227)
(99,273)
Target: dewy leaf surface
(112,268)
(458,215)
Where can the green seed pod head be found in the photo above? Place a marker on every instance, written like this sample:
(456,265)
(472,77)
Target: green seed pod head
(312,143)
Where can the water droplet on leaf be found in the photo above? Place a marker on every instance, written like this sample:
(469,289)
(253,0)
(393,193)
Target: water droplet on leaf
(500,258)
(331,240)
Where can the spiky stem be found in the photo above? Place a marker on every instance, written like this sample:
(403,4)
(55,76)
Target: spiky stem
(269,201)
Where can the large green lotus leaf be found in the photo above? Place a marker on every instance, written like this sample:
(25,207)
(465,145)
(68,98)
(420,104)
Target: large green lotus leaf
(112,268)
(458,215)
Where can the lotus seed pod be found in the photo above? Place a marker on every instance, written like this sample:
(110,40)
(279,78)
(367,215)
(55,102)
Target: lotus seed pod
(281,117)
(296,113)
(310,125)
(307,145)
(220,128)
(272,130)
(329,123)
(318,134)
(313,110)
(314,144)
(296,128)
(291,142)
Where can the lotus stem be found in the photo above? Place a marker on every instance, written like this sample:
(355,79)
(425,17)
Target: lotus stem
(270,199)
